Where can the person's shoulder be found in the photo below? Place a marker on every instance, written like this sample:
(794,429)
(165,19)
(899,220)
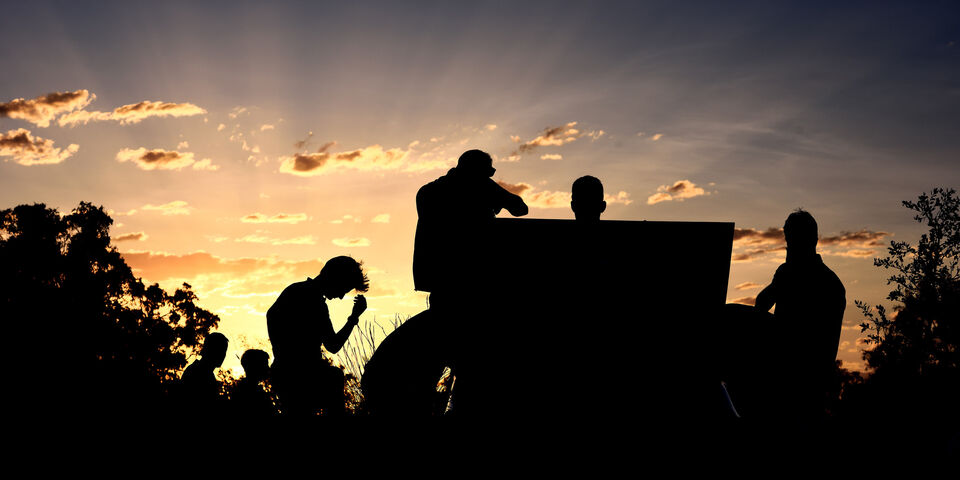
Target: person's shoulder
(831,277)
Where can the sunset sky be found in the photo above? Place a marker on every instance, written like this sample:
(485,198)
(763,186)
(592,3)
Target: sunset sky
(238,145)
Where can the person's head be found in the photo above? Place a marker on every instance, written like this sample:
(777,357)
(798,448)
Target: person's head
(800,231)
(587,199)
(340,275)
(255,364)
(214,349)
(475,163)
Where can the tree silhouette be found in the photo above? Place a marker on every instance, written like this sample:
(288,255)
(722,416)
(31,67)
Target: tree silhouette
(915,354)
(91,338)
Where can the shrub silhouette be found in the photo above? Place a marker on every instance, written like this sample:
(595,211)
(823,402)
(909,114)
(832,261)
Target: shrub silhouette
(914,361)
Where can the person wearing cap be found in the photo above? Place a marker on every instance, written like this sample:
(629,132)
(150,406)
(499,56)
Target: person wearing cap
(454,212)
(452,261)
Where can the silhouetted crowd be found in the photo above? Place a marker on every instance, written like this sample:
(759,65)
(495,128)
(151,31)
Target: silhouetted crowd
(450,347)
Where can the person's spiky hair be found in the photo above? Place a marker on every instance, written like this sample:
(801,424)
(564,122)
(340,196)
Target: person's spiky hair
(346,269)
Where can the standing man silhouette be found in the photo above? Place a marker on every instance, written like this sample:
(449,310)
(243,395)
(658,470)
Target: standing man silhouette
(298,324)
(810,301)
(451,260)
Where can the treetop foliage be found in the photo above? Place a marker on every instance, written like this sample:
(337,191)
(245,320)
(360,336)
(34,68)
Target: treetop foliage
(77,310)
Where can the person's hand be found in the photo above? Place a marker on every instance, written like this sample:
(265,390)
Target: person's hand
(359,306)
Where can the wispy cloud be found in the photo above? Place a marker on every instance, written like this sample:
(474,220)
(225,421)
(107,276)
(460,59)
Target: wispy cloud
(745,300)
(861,238)
(176,207)
(351,242)
(553,199)
(747,286)
(370,158)
(159,159)
(29,150)
(291,218)
(159,266)
(382,218)
(551,156)
(132,113)
(128,237)
(42,110)
(751,243)
(255,238)
(679,191)
(551,136)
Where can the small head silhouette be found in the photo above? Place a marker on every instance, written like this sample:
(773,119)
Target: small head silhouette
(475,163)
(340,275)
(214,349)
(255,364)
(587,199)
(800,231)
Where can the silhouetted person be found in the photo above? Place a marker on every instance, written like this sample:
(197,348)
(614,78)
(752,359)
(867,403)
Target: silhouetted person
(810,301)
(298,324)
(249,397)
(451,259)
(200,386)
(454,212)
(587,199)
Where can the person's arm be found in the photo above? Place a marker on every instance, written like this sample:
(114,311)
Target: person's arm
(334,341)
(766,298)
(512,202)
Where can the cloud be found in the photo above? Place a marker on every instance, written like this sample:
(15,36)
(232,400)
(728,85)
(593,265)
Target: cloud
(158,266)
(176,207)
(132,113)
(370,158)
(382,218)
(750,255)
(237,111)
(596,134)
(854,253)
(351,242)
(745,300)
(183,144)
(620,197)
(29,150)
(679,191)
(750,243)
(551,136)
(41,110)
(254,238)
(221,127)
(206,164)
(862,238)
(754,236)
(291,218)
(135,236)
(656,136)
(490,127)
(551,156)
(544,199)
(266,127)
(159,159)
(553,199)
(747,286)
